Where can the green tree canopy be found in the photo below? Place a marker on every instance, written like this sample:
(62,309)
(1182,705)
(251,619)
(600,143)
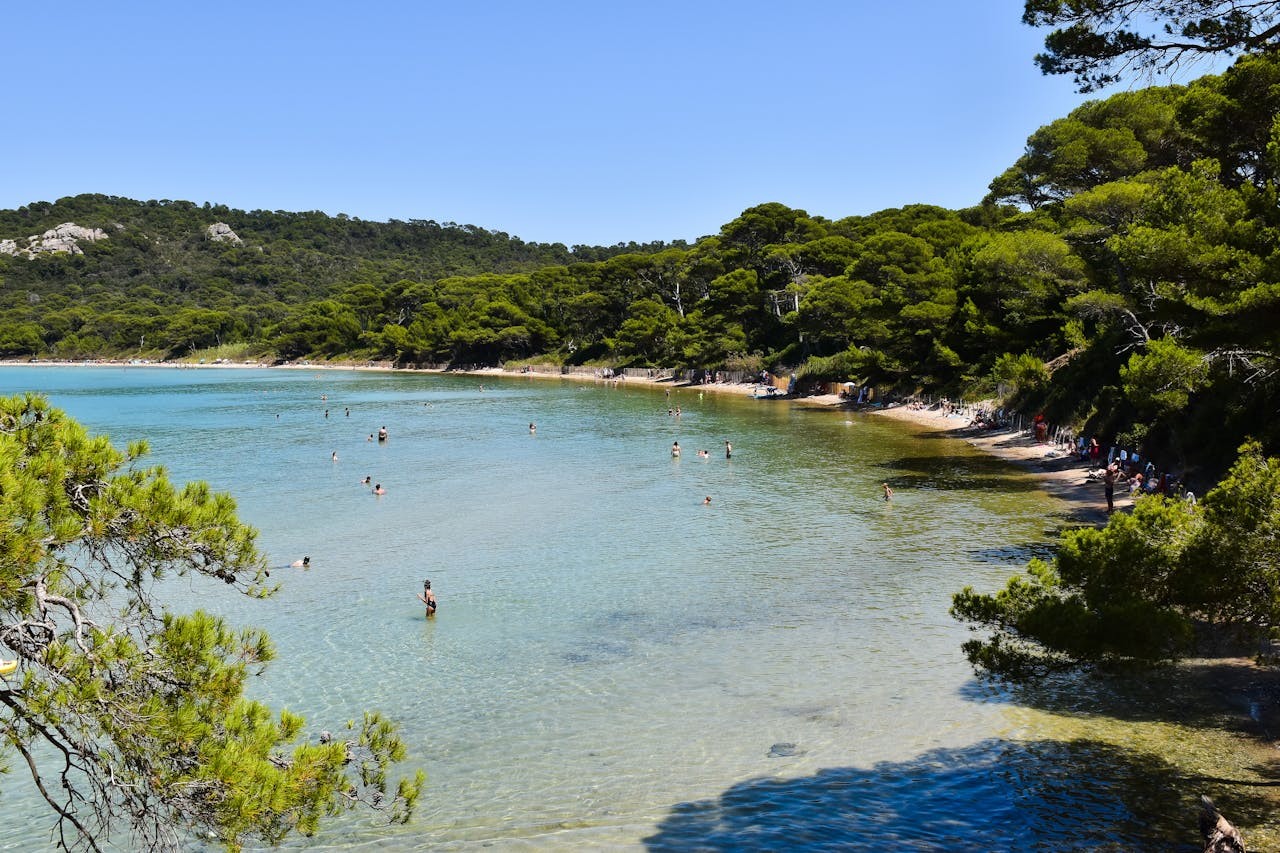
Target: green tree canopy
(1099,41)
(1140,589)
(130,717)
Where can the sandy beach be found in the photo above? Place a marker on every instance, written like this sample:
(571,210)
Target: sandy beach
(1059,474)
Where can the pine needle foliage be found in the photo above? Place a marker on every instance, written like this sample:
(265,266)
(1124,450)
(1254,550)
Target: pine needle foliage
(130,719)
(1169,579)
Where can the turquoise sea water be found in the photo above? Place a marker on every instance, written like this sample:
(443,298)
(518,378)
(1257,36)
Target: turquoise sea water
(615,665)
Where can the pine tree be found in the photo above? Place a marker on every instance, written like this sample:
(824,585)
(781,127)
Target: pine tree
(129,717)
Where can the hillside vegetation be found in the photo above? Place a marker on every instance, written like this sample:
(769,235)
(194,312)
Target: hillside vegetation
(1133,246)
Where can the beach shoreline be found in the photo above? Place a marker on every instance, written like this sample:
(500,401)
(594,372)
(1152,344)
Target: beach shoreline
(1056,474)
(1060,474)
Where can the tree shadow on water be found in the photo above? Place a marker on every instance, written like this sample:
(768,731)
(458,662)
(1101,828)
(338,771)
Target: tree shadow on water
(1016,555)
(995,795)
(958,473)
(1229,694)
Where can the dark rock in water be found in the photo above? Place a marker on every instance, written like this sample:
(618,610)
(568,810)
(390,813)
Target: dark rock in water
(784,750)
(1219,835)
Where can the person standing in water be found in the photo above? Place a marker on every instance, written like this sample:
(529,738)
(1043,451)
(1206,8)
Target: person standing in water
(532,429)
(888,492)
(428,598)
(728,450)
(675,450)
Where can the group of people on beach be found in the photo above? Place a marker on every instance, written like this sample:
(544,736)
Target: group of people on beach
(1120,465)
(1112,467)
(1142,480)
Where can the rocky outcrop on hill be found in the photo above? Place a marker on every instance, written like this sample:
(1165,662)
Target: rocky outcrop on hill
(221,232)
(63,238)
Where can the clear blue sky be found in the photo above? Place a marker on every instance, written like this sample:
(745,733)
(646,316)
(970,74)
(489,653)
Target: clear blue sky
(568,122)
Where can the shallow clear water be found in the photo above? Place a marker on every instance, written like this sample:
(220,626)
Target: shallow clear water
(615,664)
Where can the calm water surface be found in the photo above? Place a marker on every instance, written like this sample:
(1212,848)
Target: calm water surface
(616,665)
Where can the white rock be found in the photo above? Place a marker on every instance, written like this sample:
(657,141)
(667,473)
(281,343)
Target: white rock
(222,233)
(70,230)
(64,238)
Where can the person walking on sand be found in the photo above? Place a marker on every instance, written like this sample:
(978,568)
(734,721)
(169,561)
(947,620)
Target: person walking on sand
(888,492)
(428,598)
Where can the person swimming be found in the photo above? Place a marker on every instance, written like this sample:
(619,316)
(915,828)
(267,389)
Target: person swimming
(304,563)
(378,490)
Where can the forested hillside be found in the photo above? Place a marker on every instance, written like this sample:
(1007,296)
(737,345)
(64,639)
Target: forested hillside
(1133,247)
(158,284)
